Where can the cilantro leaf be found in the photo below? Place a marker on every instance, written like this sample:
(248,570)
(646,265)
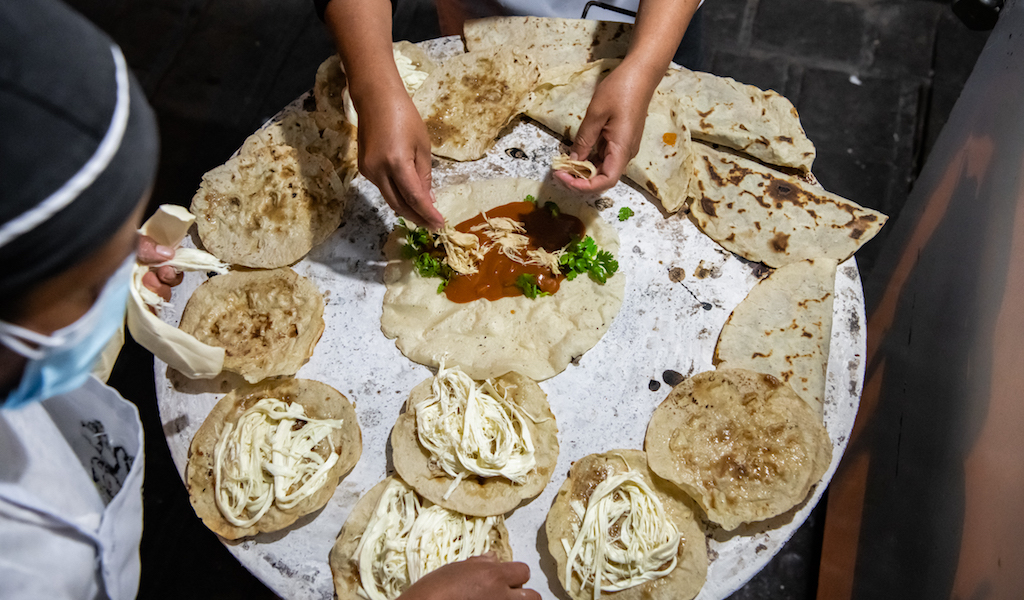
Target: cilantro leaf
(418,244)
(552,208)
(528,283)
(583,256)
(530,198)
(625,212)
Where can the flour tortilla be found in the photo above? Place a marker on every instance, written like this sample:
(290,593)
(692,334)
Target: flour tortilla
(478,496)
(469,99)
(783,327)
(343,560)
(663,164)
(551,42)
(742,444)
(684,582)
(582,169)
(723,111)
(267,321)
(269,207)
(320,401)
(768,216)
(537,337)
(300,129)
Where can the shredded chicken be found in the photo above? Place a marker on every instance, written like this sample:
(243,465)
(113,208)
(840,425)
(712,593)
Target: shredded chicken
(507,234)
(543,258)
(463,251)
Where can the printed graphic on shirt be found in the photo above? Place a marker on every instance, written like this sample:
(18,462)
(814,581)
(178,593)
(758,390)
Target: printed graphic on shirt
(109,465)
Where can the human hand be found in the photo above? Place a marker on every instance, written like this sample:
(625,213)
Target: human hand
(611,130)
(160,279)
(394,154)
(477,578)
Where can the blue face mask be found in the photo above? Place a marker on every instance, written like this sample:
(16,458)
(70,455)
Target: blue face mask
(61,362)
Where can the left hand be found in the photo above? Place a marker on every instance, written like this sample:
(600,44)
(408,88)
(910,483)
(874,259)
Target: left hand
(159,280)
(611,130)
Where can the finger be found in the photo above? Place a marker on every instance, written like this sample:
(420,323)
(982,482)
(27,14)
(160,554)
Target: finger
(588,136)
(151,281)
(523,594)
(151,252)
(169,275)
(398,204)
(415,190)
(515,574)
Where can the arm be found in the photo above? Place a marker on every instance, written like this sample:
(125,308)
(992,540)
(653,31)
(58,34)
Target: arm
(477,578)
(614,123)
(394,150)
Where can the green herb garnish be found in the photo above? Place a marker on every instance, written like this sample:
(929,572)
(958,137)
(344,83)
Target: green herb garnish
(625,212)
(583,256)
(418,244)
(552,208)
(528,283)
(530,198)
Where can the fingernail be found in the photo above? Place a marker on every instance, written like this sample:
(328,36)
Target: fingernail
(164,252)
(433,198)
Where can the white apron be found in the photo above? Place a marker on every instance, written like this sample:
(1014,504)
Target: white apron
(71,470)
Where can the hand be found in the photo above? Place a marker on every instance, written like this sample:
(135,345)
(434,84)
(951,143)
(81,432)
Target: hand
(394,154)
(611,130)
(477,578)
(161,279)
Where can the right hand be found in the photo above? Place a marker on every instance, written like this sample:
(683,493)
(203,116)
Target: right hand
(477,578)
(394,154)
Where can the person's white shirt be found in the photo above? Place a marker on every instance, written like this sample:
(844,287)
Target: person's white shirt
(71,497)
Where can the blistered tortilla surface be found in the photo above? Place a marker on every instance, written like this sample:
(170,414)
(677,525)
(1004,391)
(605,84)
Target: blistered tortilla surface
(320,401)
(344,562)
(744,445)
(551,42)
(783,328)
(478,496)
(772,217)
(268,207)
(268,322)
(685,581)
(486,339)
(468,100)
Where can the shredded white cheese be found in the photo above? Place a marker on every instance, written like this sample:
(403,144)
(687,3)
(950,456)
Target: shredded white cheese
(474,429)
(406,539)
(269,457)
(623,537)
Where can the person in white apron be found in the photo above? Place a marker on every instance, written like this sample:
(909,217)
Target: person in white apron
(394,148)
(78,153)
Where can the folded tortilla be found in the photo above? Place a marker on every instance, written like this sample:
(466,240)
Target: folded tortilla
(551,42)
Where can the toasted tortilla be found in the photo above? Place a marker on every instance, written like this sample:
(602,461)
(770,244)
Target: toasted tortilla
(343,560)
(742,444)
(300,129)
(662,166)
(486,339)
(269,207)
(769,216)
(684,582)
(320,401)
(723,111)
(468,100)
(551,42)
(783,327)
(478,496)
(268,322)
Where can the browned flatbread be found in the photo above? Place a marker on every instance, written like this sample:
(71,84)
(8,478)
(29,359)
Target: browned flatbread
(684,582)
(267,208)
(267,321)
(469,99)
(783,328)
(551,42)
(344,565)
(768,216)
(320,401)
(478,496)
(744,445)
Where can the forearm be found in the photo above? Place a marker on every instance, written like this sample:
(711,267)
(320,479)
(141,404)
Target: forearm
(362,34)
(660,25)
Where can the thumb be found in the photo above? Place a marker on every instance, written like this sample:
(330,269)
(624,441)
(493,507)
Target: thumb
(587,137)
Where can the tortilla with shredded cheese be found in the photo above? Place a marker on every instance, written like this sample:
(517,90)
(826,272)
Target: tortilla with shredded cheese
(632,553)
(536,337)
(744,445)
(317,401)
(479,495)
(369,524)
